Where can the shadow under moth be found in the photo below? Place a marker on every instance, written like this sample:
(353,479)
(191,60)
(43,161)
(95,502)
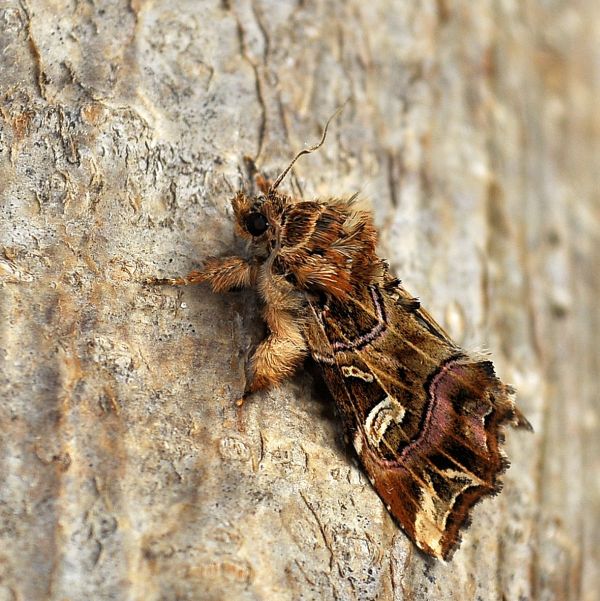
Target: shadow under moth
(424,416)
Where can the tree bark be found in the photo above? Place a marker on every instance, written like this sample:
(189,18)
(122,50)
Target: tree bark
(127,471)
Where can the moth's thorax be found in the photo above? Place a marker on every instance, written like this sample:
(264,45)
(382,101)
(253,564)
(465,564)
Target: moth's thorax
(328,246)
(319,246)
(298,224)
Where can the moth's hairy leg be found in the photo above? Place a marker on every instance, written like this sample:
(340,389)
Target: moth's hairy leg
(194,277)
(221,274)
(278,355)
(275,360)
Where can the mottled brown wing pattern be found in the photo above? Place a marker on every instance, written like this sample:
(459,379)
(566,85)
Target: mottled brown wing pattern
(423,415)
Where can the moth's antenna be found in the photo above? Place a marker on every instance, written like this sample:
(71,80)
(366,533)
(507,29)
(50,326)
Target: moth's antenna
(307,150)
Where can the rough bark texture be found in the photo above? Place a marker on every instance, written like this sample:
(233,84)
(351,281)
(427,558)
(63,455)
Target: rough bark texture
(126,470)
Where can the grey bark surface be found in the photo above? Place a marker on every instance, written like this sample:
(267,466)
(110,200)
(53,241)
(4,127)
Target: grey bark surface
(126,470)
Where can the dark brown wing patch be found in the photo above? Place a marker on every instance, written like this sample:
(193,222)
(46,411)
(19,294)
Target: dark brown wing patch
(424,416)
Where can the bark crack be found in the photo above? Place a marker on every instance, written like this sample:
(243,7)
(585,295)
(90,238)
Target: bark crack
(40,74)
(262,127)
(321,529)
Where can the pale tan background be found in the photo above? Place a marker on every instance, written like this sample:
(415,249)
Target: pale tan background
(126,471)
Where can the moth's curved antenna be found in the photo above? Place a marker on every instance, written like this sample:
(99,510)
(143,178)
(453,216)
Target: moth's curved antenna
(307,150)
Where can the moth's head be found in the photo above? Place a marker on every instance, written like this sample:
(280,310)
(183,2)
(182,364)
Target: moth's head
(258,218)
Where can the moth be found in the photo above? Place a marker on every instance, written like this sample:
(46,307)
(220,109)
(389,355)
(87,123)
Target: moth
(425,417)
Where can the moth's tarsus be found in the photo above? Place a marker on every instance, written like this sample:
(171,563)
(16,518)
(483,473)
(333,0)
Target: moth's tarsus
(308,150)
(196,276)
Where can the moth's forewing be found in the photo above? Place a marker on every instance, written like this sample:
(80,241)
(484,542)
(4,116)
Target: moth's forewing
(423,415)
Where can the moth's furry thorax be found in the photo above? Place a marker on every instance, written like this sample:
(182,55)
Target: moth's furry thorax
(325,246)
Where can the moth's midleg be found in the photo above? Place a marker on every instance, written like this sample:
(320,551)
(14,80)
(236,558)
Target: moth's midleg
(275,359)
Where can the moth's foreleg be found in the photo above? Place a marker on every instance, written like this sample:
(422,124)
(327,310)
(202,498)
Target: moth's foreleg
(221,274)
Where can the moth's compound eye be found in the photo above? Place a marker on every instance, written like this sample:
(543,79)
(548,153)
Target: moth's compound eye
(256,224)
